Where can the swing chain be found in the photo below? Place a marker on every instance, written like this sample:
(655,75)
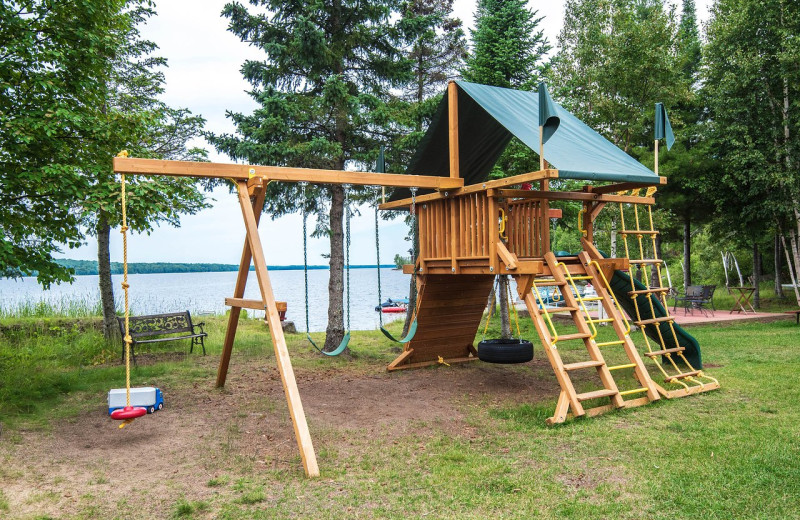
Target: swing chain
(414,239)
(378,254)
(347,247)
(305,250)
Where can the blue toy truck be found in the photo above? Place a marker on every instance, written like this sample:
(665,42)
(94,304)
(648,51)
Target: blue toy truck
(149,398)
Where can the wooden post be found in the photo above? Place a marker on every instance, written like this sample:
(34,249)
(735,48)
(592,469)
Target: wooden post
(238,292)
(301,432)
(452,112)
(656,162)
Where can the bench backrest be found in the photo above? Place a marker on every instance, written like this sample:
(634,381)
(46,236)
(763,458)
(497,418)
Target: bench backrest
(694,291)
(157,324)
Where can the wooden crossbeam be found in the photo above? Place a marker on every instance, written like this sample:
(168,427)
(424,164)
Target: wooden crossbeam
(574,195)
(472,188)
(625,186)
(244,172)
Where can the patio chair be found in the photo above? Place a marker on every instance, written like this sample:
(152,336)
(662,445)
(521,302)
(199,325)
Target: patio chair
(693,294)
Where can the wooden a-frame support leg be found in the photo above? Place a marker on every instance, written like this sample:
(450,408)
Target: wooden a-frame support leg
(254,249)
(238,292)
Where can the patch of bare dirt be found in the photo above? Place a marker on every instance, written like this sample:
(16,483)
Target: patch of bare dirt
(89,466)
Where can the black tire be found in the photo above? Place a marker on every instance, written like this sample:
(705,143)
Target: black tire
(152,409)
(160,406)
(505,351)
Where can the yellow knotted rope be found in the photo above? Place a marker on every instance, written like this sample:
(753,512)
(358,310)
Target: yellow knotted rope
(127,339)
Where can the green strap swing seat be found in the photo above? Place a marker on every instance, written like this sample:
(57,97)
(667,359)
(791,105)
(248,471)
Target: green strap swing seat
(346,339)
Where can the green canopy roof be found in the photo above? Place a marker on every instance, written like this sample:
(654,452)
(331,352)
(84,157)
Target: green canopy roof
(488,117)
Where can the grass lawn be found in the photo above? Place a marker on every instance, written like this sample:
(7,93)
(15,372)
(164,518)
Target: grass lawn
(466,441)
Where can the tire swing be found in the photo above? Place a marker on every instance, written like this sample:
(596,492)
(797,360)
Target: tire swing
(505,350)
(346,339)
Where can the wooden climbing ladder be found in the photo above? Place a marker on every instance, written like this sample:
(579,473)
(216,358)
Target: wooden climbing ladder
(564,274)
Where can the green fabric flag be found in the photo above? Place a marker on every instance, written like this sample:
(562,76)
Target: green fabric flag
(663,128)
(381,166)
(548,118)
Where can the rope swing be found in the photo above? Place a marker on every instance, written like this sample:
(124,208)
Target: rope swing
(129,413)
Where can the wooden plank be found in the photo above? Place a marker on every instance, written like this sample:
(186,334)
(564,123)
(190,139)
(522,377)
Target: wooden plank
(449,361)
(625,186)
(452,122)
(284,362)
(238,292)
(574,195)
(507,257)
(245,172)
(245,304)
(484,186)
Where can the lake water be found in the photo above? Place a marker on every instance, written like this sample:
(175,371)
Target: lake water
(206,292)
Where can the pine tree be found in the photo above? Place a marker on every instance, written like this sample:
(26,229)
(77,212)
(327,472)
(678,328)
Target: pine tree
(323,88)
(507,48)
(436,48)
(507,52)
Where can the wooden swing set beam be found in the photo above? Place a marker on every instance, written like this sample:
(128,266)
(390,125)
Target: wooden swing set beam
(245,172)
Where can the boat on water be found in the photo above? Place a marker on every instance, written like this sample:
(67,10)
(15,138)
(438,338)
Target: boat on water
(393,305)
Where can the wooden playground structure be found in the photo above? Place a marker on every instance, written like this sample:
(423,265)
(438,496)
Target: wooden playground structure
(468,234)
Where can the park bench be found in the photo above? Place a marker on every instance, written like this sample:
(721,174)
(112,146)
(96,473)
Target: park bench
(152,329)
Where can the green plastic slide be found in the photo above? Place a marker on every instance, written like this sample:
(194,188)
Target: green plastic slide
(621,284)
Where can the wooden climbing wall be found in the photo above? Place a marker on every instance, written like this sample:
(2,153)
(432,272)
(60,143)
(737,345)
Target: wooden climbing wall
(449,315)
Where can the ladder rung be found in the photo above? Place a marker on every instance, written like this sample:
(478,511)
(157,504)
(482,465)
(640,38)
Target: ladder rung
(570,309)
(634,391)
(649,291)
(609,343)
(581,277)
(579,335)
(654,320)
(631,232)
(597,394)
(681,376)
(665,351)
(603,320)
(548,282)
(583,364)
(647,261)
(620,367)
(590,299)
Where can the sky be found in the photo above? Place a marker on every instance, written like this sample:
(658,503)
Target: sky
(203,75)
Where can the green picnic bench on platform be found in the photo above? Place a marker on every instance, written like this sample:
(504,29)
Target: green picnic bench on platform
(162,325)
(796,313)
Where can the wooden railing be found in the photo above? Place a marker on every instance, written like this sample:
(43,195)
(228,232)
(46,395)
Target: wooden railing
(461,234)
(527,228)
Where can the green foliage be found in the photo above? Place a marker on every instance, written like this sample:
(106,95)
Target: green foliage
(78,85)
(56,58)
(508,47)
(752,84)
(615,60)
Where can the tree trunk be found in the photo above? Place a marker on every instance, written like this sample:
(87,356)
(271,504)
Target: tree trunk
(778,265)
(613,239)
(505,322)
(687,253)
(756,276)
(103,230)
(335,331)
